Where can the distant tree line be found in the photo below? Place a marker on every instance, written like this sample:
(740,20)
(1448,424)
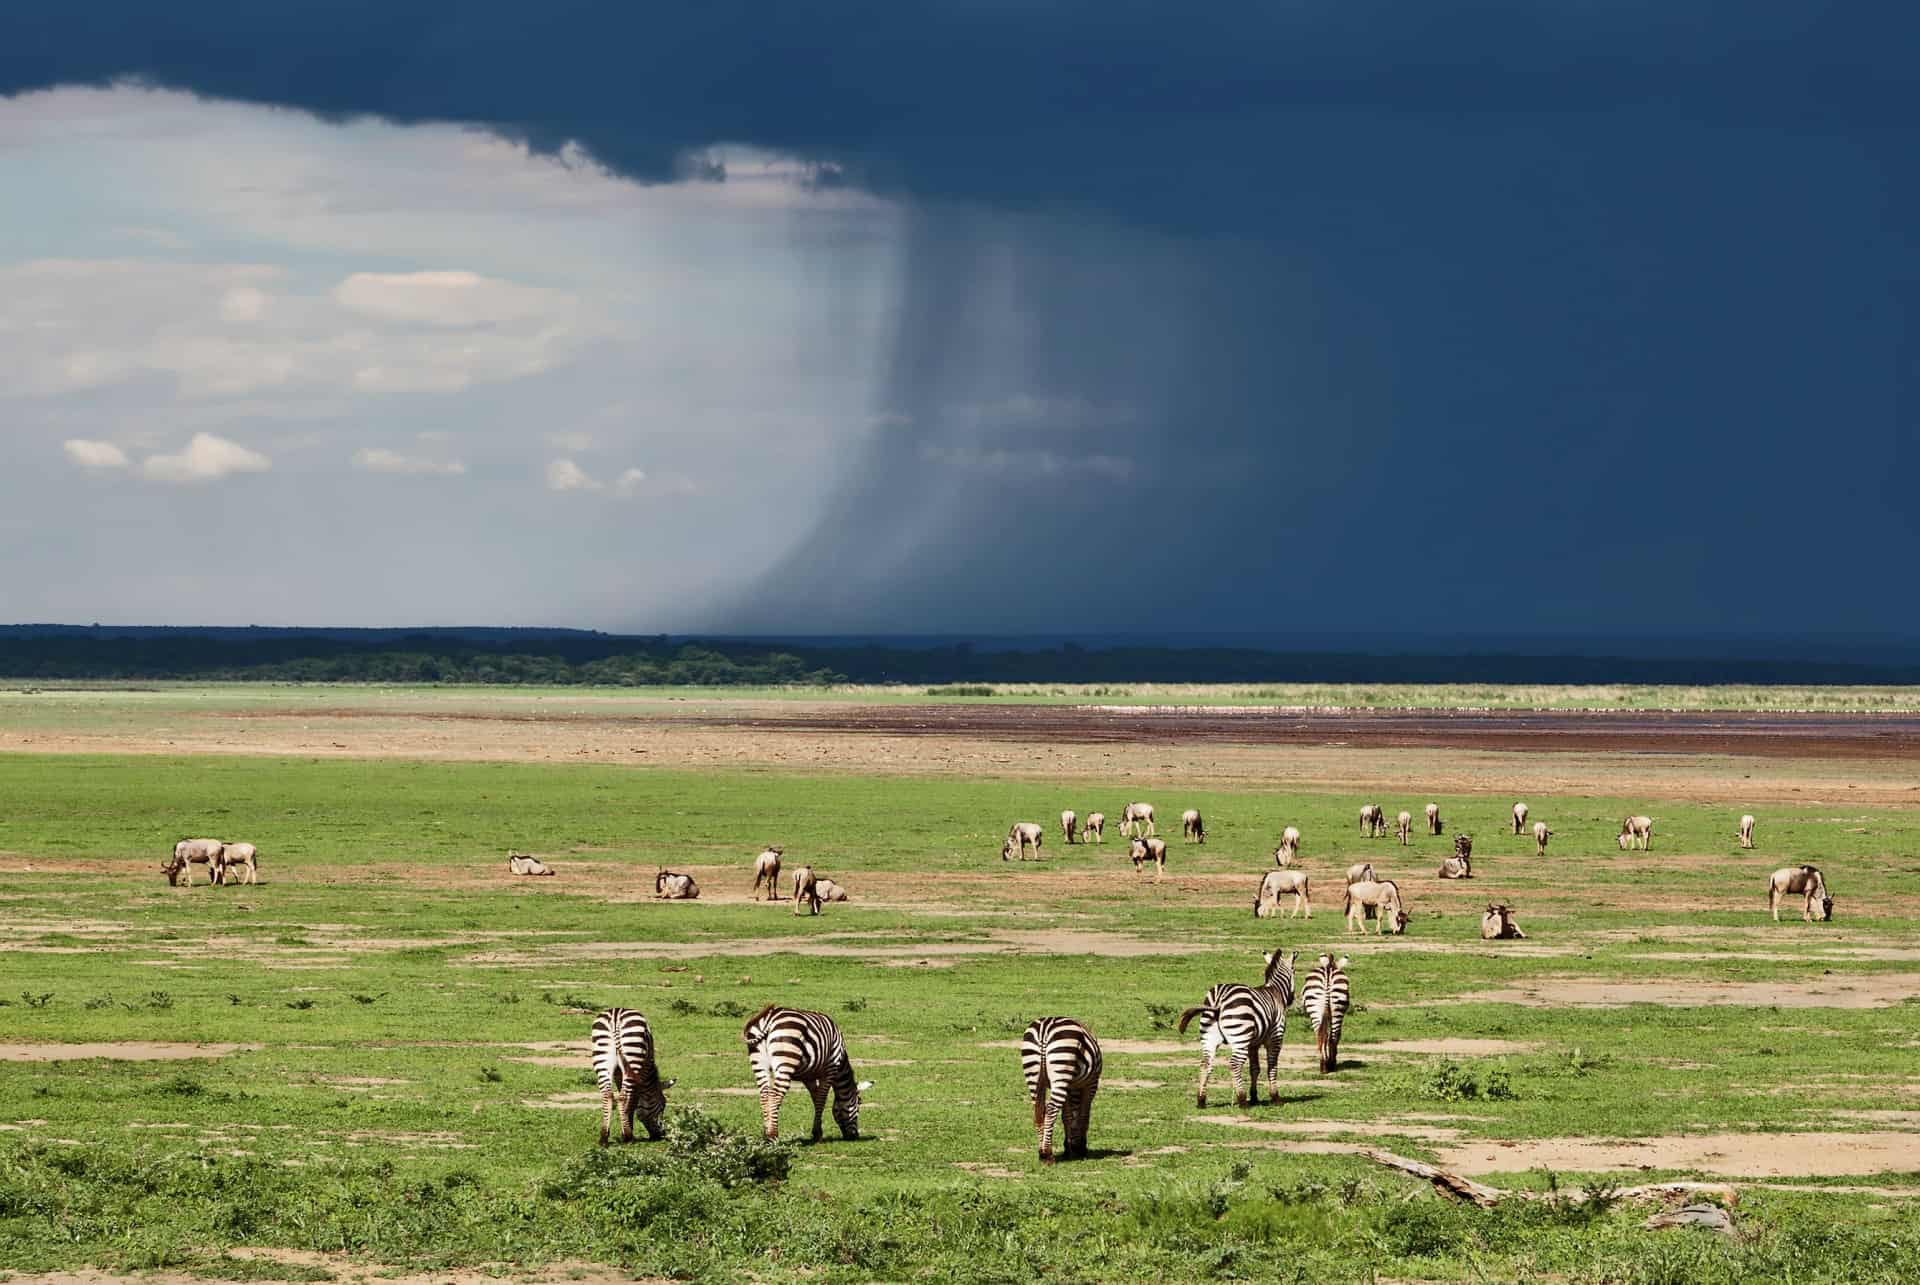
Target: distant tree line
(565,658)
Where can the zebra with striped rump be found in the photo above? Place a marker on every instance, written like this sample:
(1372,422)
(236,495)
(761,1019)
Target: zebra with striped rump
(788,1044)
(1323,998)
(1061,1061)
(1245,1019)
(623,1063)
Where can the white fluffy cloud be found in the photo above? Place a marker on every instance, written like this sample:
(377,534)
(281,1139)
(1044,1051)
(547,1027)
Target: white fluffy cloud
(94,454)
(378,459)
(628,484)
(206,459)
(565,475)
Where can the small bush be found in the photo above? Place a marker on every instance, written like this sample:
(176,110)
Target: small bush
(1449,1081)
(491,1075)
(963,689)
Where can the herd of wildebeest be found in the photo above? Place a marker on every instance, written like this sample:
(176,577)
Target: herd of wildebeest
(1060,1058)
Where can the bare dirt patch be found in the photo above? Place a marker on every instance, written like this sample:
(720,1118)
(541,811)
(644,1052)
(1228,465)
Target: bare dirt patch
(352,1271)
(1867,990)
(1329,1128)
(1733,1155)
(129,1051)
(1005,941)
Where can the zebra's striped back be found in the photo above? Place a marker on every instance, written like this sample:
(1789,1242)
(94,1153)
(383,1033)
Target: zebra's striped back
(1323,997)
(1061,1061)
(1248,1016)
(623,1063)
(788,1044)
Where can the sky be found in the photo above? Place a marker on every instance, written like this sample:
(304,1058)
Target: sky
(962,317)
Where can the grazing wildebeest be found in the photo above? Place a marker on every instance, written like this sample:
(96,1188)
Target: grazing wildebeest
(1373,820)
(189,853)
(766,868)
(1379,897)
(1403,824)
(1096,828)
(1540,836)
(675,887)
(806,890)
(1192,827)
(1636,832)
(1519,817)
(1023,835)
(1154,850)
(1498,924)
(1136,820)
(520,863)
(1284,854)
(1433,818)
(830,891)
(1801,879)
(242,856)
(1290,840)
(1746,831)
(1360,872)
(1067,821)
(1277,884)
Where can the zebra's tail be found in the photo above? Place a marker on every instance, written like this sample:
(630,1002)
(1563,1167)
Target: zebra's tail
(1041,1092)
(1189,1015)
(1325,1041)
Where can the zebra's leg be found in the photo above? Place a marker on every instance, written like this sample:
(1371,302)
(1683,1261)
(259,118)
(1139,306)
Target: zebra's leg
(1059,1108)
(1206,1073)
(1253,1075)
(818,1088)
(606,1111)
(1082,1106)
(771,1095)
(1273,1067)
(1237,1063)
(626,1109)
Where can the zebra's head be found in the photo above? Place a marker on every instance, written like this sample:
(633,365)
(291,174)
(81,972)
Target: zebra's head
(1278,965)
(846,1109)
(650,1104)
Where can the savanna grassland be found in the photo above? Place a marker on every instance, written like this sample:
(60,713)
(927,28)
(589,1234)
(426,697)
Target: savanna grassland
(374,1060)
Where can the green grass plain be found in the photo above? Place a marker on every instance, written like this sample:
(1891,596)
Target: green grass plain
(411,1090)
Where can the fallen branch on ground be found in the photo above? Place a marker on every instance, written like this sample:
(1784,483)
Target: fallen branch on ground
(1452,1184)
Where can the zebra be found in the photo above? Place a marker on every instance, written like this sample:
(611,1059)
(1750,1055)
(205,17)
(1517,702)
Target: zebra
(623,1063)
(1245,1019)
(788,1044)
(1323,998)
(1061,1061)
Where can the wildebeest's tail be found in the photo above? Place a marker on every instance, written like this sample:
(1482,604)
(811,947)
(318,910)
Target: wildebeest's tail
(1189,1015)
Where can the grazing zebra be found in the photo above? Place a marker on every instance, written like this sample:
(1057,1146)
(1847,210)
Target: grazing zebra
(623,1063)
(1746,831)
(1323,998)
(1519,817)
(788,1044)
(1193,827)
(1245,1019)
(1022,835)
(1067,821)
(243,856)
(766,869)
(1433,818)
(1148,851)
(1095,829)
(1061,1061)
(675,887)
(806,890)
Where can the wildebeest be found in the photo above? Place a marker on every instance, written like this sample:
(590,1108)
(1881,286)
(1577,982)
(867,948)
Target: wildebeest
(189,853)
(1284,854)
(1403,825)
(1376,897)
(1519,817)
(829,890)
(1136,820)
(1456,868)
(1433,818)
(1022,835)
(1290,840)
(1746,831)
(1277,884)
(1373,820)
(806,890)
(1096,828)
(675,887)
(1540,836)
(766,868)
(1149,849)
(1359,872)
(1498,923)
(1067,822)
(242,856)
(1463,845)
(1801,879)
(520,863)
(1636,832)
(1192,827)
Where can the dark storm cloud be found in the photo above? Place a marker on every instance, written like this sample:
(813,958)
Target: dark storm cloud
(1517,316)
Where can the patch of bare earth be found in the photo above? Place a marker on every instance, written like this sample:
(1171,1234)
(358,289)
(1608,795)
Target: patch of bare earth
(128,1051)
(1860,990)
(1732,1155)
